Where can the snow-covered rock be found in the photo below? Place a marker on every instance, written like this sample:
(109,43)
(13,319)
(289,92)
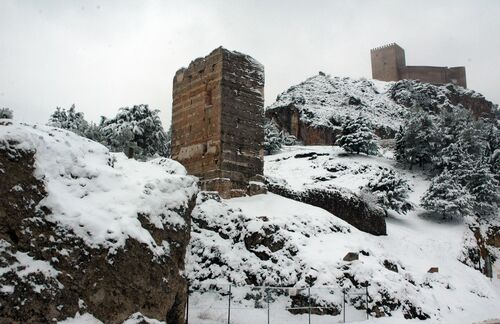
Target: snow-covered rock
(84,230)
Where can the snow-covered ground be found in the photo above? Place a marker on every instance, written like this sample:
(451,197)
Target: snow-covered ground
(415,243)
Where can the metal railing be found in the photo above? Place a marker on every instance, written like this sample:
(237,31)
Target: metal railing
(232,304)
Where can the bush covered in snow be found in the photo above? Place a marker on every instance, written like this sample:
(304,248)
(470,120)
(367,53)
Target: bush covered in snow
(6,113)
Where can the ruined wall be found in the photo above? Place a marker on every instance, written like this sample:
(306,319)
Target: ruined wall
(196,116)
(389,64)
(217,120)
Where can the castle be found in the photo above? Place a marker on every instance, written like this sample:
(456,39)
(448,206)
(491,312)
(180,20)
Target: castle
(217,122)
(389,64)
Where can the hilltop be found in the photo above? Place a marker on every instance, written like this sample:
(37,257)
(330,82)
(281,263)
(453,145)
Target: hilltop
(314,110)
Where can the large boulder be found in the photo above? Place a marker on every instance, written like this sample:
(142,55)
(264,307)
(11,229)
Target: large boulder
(86,231)
(341,203)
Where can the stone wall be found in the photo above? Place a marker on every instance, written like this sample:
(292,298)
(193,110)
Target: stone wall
(217,121)
(434,74)
(389,64)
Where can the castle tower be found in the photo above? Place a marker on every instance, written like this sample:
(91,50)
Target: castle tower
(217,121)
(387,61)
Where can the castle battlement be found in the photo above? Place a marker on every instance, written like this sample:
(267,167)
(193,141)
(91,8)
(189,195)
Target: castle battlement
(389,64)
(384,46)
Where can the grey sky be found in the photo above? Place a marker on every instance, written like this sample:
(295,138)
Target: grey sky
(102,55)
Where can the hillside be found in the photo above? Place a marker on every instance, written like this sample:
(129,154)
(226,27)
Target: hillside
(268,240)
(314,110)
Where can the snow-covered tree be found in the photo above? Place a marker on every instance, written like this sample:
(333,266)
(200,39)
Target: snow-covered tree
(417,140)
(448,197)
(6,113)
(391,191)
(94,132)
(138,129)
(358,137)
(484,188)
(69,119)
(272,137)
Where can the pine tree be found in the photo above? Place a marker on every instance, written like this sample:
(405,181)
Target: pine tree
(138,129)
(272,138)
(417,140)
(70,120)
(358,137)
(484,188)
(391,191)
(447,197)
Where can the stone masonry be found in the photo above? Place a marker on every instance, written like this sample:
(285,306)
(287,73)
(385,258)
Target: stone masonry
(217,122)
(389,64)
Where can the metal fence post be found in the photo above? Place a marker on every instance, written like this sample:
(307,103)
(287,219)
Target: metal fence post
(229,306)
(367,312)
(268,306)
(343,306)
(309,302)
(187,303)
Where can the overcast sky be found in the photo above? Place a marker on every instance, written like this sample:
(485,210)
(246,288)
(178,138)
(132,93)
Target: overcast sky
(103,55)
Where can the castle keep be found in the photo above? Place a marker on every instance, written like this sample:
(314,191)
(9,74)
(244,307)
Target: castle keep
(388,64)
(217,121)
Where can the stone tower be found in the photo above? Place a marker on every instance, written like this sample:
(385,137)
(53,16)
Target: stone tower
(388,64)
(217,121)
(387,60)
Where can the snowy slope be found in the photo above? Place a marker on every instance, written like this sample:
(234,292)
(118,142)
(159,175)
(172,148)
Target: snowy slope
(415,243)
(303,167)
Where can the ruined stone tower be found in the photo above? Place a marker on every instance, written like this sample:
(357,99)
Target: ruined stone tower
(388,64)
(217,121)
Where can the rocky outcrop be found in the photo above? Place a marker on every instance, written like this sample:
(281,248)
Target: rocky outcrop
(49,271)
(340,203)
(435,98)
(314,110)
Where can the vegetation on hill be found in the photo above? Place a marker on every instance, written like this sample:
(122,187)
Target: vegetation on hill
(135,130)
